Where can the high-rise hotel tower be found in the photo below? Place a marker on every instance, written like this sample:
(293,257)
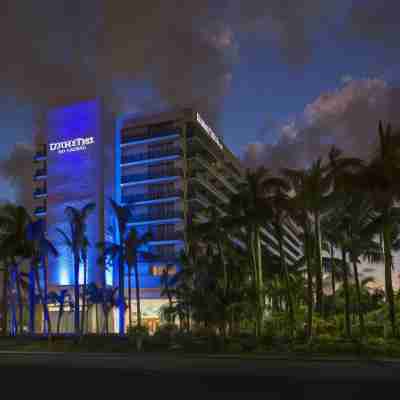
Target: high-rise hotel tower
(166,168)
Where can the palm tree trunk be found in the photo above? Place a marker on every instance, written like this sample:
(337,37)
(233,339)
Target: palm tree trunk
(225,283)
(333,279)
(46,297)
(130,295)
(32,300)
(60,314)
(84,286)
(346,295)
(121,294)
(388,276)
(5,298)
(287,281)
(310,294)
(256,256)
(97,318)
(44,303)
(360,310)
(76,294)
(318,255)
(137,289)
(19,300)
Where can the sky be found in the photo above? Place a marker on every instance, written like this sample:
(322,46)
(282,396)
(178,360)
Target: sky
(280,80)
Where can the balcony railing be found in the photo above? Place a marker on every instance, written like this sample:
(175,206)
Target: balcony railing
(200,177)
(40,174)
(161,258)
(136,198)
(156,216)
(40,192)
(149,155)
(40,210)
(126,139)
(173,172)
(216,173)
(160,237)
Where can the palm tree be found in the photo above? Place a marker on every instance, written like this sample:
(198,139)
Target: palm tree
(280,206)
(4,297)
(132,245)
(40,248)
(95,298)
(15,249)
(300,212)
(356,218)
(381,180)
(77,242)
(251,210)
(59,298)
(125,251)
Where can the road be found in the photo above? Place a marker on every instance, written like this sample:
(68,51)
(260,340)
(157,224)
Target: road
(177,377)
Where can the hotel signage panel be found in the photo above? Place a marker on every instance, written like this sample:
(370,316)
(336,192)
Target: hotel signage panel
(78,144)
(209,131)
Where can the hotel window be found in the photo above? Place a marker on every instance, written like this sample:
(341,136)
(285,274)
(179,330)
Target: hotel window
(160,210)
(161,188)
(158,270)
(161,147)
(165,168)
(135,132)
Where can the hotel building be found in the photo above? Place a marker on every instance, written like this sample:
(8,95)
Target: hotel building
(167,168)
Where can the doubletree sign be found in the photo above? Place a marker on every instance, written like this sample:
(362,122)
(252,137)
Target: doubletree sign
(78,144)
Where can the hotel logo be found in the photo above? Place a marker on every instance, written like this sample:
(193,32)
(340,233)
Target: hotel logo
(209,131)
(78,144)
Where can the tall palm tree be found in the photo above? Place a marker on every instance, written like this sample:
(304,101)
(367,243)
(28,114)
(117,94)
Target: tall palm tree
(125,250)
(250,209)
(356,218)
(133,243)
(300,212)
(77,241)
(13,222)
(381,180)
(278,199)
(40,248)
(60,298)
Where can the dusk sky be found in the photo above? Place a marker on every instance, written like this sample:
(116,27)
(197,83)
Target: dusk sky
(281,80)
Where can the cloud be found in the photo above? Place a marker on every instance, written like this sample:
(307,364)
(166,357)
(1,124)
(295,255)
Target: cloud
(17,173)
(346,78)
(347,117)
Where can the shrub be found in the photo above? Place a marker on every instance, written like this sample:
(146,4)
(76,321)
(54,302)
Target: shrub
(135,331)
(234,347)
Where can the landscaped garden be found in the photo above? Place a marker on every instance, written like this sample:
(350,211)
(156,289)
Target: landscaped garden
(232,293)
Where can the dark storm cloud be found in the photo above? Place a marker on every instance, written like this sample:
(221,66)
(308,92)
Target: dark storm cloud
(18,170)
(375,21)
(347,118)
(60,50)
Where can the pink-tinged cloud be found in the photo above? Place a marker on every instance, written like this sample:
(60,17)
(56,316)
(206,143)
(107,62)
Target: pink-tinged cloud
(347,118)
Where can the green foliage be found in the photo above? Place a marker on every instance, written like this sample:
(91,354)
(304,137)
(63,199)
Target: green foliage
(137,331)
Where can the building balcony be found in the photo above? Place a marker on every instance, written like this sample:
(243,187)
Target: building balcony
(40,174)
(159,258)
(40,193)
(40,211)
(166,237)
(151,156)
(156,197)
(155,218)
(135,179)
(217,174)
(150,137)
(205,182)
